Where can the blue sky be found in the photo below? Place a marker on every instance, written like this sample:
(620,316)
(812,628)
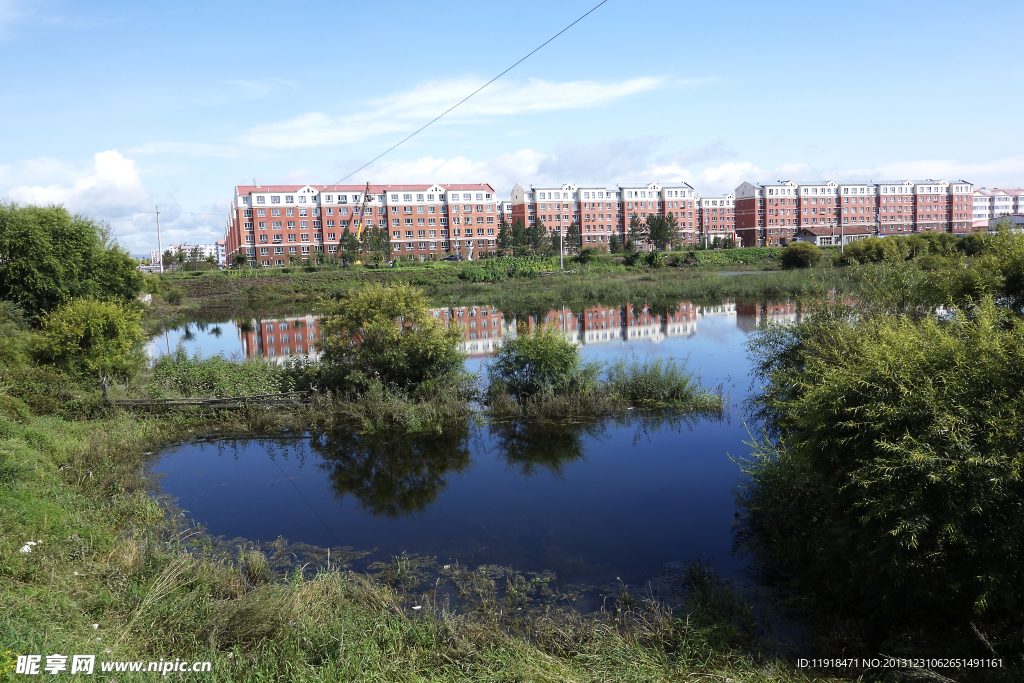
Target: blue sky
(112,107)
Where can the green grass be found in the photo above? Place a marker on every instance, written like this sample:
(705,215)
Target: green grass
(604,280)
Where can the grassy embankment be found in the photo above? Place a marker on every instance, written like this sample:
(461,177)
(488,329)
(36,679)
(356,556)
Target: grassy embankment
(712,276)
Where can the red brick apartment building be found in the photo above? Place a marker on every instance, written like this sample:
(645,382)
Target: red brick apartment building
(771,214)
(274,223)
(601,212)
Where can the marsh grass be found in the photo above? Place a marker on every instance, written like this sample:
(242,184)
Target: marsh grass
(658,382)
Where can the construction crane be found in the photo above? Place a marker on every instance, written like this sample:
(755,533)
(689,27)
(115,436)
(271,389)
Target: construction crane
(359,223)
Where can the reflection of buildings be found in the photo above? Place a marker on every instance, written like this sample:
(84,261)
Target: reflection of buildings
(281,338)
(750,314)
(481,327)
(484,327)
(602,324)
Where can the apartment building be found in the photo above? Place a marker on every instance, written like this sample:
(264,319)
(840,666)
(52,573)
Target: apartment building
(273,224)
(216,249)
(771,214)
(601,212)
(993,203)
(716,218)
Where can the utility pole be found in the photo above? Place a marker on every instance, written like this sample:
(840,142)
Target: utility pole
(159,246)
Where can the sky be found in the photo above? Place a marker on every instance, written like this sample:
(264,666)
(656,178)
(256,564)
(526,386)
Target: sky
(111,108)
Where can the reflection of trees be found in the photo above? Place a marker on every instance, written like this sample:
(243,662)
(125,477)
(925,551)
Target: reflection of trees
(529,446)
(392,475)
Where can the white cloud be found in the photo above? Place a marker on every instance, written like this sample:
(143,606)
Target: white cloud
(111,190)
(406,111)
(113,181)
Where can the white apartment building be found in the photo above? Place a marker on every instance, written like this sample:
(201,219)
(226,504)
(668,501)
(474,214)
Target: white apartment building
(215,249)
(996,202)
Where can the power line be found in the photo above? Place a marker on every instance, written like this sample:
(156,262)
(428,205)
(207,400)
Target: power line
(430,123)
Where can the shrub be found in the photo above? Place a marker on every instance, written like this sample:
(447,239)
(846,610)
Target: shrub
(89,337)
(800,255)
(655,259)
(175,296)
(893,479)
(384,333)
(541,363)
(14,336)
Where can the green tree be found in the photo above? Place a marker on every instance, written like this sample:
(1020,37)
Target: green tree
(239,261)
(48,256)
(800,255)
(86,337)
(519,237)
(572,238)
(531,236)
(614,244)
(377,243)
(661,231)
(541,240)
(635,235)
(504,242)
(348,248)
(385,334)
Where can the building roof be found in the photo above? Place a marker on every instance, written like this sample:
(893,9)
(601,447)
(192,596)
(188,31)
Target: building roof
(821,230)
(374,189)
(990,192)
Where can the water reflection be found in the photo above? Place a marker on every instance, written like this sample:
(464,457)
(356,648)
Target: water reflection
(600,329)
(391,475)
(588,502)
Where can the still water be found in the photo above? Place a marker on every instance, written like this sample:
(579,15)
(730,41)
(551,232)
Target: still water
(591,503)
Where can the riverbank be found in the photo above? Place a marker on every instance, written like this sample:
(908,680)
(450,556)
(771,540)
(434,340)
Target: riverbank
(606,284)
(111,575)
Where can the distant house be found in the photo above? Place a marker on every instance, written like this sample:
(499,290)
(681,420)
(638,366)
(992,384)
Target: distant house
(1016,221)
(828,236)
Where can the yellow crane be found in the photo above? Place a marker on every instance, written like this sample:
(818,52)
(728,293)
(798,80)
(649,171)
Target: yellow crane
(362,213)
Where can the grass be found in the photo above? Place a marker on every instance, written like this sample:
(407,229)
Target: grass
(606,280)
(659,382)
(107,556)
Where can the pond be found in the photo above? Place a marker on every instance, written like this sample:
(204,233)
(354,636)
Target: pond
(591,503)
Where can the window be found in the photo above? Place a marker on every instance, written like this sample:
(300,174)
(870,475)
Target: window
(289,199)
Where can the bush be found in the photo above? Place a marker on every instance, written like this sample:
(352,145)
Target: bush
(800,255)
(893,480)
(384,333)
(541,363)
(89,337)
(175,296)
(14,336)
